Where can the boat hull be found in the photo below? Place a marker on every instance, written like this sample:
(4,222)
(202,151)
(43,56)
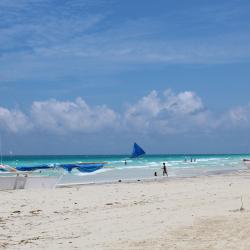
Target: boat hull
(27,182)
(246,163)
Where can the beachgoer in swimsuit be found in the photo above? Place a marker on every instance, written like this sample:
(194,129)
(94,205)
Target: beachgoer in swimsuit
(164,168)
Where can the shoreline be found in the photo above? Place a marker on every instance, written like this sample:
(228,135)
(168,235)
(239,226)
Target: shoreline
(58,184)
(151,179)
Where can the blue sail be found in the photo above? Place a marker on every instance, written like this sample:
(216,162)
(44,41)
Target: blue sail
(137,151)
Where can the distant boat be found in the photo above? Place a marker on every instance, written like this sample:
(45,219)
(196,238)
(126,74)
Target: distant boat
(247,162)
(137,151)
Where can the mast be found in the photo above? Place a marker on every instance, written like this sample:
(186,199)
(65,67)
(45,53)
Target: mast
(1,150)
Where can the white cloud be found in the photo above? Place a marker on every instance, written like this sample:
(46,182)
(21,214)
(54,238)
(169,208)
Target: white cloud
(148,106)
(14,121)
(183,103)
(167,113)
(237,117)
(57,116)
(157,113)
(239,114)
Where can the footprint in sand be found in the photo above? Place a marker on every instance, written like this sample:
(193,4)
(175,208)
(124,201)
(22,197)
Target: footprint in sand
(36,212)
(109,204)
(16,212)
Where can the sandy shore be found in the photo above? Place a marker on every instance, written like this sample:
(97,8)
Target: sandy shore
(189,213)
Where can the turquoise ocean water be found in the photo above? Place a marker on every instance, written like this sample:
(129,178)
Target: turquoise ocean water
(143,167)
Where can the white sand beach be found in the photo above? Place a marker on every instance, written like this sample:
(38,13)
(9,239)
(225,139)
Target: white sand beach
(188,213)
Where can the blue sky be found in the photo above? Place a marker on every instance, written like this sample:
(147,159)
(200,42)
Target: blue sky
(92,77)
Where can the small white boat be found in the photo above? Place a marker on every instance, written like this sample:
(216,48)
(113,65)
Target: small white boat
(247,162)
(6,168)
(10,181)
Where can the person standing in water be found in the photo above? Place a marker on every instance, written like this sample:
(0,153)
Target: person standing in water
(164,169)
(125,163)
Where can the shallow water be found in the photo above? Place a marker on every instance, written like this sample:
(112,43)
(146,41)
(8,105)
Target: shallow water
(144,167)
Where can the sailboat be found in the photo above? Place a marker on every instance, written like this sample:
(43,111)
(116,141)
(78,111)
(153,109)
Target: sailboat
(14,178)
(137,151)
(3,167)
(6,168)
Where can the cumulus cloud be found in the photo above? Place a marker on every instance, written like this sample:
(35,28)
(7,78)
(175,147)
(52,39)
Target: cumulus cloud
(143,111)
(75,116)
(162,113)
(183,103)
(237,117)
(167,113)
(14,120)
(59,117)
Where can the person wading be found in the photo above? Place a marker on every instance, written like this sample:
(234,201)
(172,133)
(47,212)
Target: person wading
(164,169)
